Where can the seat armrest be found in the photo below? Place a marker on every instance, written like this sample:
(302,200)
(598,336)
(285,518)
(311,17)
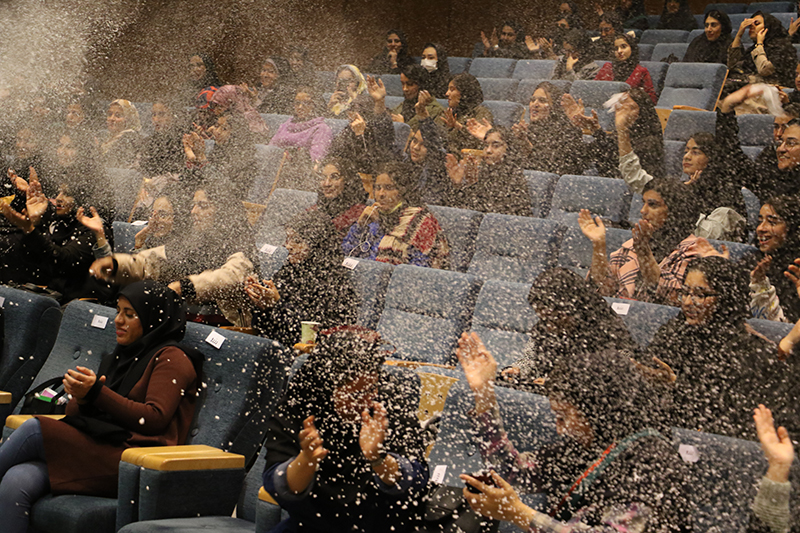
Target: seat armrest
(5,397)
(15,421)
(182,458)
(265,496)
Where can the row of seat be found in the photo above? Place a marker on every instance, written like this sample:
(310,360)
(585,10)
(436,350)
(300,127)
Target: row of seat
(766,7)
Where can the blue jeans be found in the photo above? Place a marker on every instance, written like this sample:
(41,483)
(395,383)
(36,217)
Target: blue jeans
(23,476)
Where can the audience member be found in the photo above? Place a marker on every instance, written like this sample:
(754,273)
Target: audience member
(712,46)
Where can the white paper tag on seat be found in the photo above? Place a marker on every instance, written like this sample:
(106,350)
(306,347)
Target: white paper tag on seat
(438,474)
(2,301)
(620,308)
(139,223)
(350,263)
(268,249)
(215,340)
(99,322)
(689,453)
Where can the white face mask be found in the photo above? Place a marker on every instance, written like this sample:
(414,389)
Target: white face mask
(428,64)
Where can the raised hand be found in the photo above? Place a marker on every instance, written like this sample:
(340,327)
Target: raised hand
(20,184)
(746,23)
(194,147)
(376,89)
(531,43)
(262,296)
(480,367)
(423,101)
(592,227)
(312,449)
(37,202)
(368,215)
(571,61)
(642,232)
(761,35)
(397,118)
(373,431)
(478,129)
(777,445)
(759,273)
(358,124)
(102,268)
(626,113)
(793,26)
(450,120)
(494,41)
(500,502)
(392,58)
(93,223)
(455,169)
(485,41)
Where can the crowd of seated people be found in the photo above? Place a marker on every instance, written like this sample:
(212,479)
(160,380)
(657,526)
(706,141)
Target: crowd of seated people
(343,436)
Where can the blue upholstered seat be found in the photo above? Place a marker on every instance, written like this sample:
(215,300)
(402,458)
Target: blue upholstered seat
(541,186)
(461,228)
(492,67)
(692,84)
(534,68)
(502,89)
(281,207)
(503,318)
(663,50)
(605,197)
(663,36)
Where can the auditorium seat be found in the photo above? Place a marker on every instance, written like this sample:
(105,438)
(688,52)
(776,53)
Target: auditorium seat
(268,161)
(505,113)
(663,50)
(370,280)
(273,122)
(503,318)
(394,87)
(755,133)
(534,68)
(516,249)
(502,89)
(773,8)
(125,236)
(692,84)
(541,186)
(642,319)
(281,207)
(646,52)
(681,126)
(607,198)
(658,73)
(728,8)
(461,228)
(594,94)
(459,64)
(492,67)
(576,250)
(663,36)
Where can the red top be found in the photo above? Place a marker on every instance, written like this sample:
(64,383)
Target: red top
(640,77)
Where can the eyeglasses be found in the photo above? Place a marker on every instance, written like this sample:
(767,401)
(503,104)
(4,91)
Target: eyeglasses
(696,297)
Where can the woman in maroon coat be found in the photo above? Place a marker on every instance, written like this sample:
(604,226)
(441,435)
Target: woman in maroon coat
(145,396)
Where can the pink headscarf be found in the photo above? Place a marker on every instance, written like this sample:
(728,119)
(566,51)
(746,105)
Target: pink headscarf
(231,98)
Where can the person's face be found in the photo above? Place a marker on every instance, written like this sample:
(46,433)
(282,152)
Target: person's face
(779,126)
(410,89)
(626,4)
(197,68)
(563,24)
(622,49)
(393,43)
(74,115)
(351,398)
(654,209)
(25,143)
(332,182)
(161,118)
(797,78)
(127,324)
(203,211)
(303,106)
(756,26)
(564,9)
(693,158)
(418,150)
(571,423)
(771,231)
(713,29)
(453,96)
(269,75)
(430,54)
(387,195)
(162,218)
(539,106)
(698,300)
(66,152)
(508,36)
(789,150)
(64,202)
(494,149)
(115,119)
(298,249)
(346,80)
(606,31)
(673,6)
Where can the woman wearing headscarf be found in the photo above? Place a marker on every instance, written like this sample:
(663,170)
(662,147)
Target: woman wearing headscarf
(143,394)
(120,146)
(464,99)
(202,74)
(208,264)
(577,61)
(677,16)
(616,470)
(771,59)
(394,57)
(275,91)
(573,318)
(495,183)
(344,446)
(426,152)
(509,44)
(312,285)
(231,100)
(550,142)
(773,295)
(341,193)
(712,45)
(303,71)
(603,48)
(631,14)
(398,229)
(306,138)
(350,84)
(162,151)
(434,60)
(652,265)
(625,66)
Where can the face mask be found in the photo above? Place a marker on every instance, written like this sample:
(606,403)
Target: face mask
(428,64)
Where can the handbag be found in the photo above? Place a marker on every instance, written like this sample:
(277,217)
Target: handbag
(37,403)
(446,511)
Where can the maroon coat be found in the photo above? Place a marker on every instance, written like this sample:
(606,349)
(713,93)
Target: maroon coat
(157,412)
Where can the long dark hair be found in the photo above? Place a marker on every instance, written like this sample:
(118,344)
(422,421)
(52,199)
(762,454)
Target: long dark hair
(730,283)
(623,69)
(680,216)
(471,93)
(647,137)
(724,21)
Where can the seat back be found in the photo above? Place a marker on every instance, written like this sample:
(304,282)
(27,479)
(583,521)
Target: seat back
(271,259)
(658,73)
(282,206)
(492,67)
(370,280)
(268,161)
(662,51)
(645,52)
(401,133)
(503,89)
(737,249)
(773,8)
(692,84)
(125,184)
(753,206)
(516,249)
(503,318)
(426,311)
(30,325)
(125,236)
(695,33)
(337,125)
(642,319)
(682,124)
(784,18)
(755,131)
(534,68)
(605,197)
(273,122)
(459,64)
(594,94)
(541,186)
(576,250)
(663,36)
(729,8)
(461,228)
(394,87)
(505,113)
(774,331)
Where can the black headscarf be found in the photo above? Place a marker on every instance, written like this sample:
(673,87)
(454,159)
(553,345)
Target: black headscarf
(589,323)
(162,151)
(574,18)
(701,50)
(778,49)
(623,69)
(210,79)
(719,185)
(647,137)
(556,144)
(681,217)
(471,93)
(419,76)
(682,20)
(582,45)
(353,193)
(439,78)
